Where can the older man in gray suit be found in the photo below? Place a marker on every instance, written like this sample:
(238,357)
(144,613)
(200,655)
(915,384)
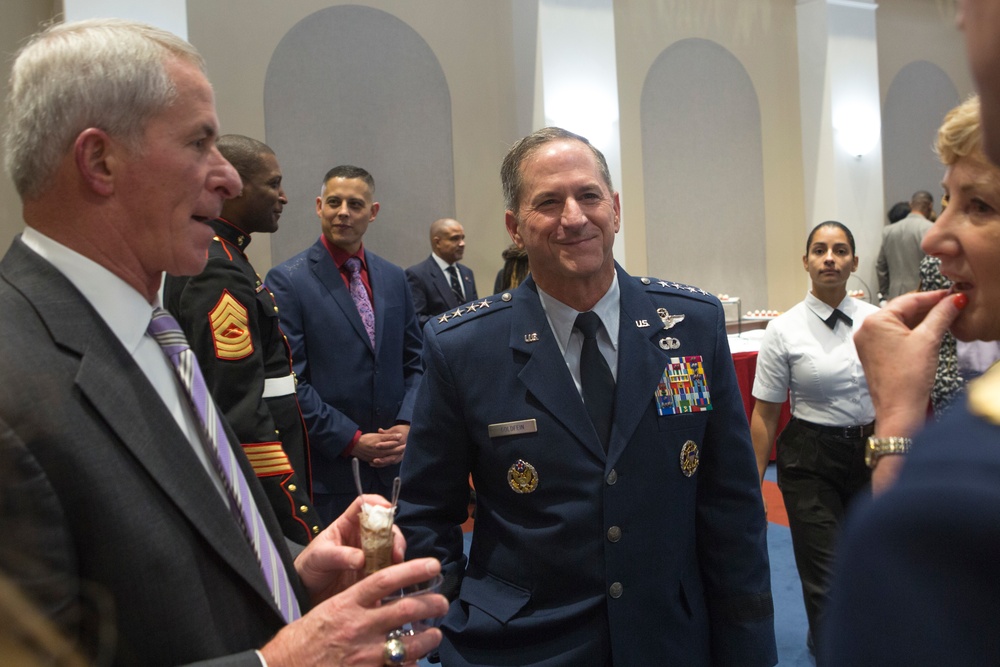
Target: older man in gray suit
(119,483)
(898,265)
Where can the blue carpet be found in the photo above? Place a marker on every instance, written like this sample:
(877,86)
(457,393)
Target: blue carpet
(790,625)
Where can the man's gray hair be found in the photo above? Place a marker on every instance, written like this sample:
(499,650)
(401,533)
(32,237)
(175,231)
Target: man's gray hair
(510,170)
(108,74)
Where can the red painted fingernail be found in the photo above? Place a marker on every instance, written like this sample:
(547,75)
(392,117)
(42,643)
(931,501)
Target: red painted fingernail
(961,300)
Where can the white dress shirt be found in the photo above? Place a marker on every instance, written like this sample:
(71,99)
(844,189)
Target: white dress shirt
(443,265)
(562,318)
(818,365)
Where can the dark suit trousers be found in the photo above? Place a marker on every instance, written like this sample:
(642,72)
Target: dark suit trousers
(819,476)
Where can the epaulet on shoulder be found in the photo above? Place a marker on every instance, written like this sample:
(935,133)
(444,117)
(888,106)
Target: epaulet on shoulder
(680,289)
(472,311)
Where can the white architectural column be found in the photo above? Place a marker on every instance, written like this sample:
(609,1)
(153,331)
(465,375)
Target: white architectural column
(167,14)
(579,81)
(841,128)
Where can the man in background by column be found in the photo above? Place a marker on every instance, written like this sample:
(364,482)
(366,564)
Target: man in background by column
(898,264)
(440,283)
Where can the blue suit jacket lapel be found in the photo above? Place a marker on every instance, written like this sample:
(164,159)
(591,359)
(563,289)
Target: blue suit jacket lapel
(328,275)
(544,370)
(640,361)
(443,284)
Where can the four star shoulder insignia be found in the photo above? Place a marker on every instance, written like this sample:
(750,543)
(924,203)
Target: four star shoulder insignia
(471,308)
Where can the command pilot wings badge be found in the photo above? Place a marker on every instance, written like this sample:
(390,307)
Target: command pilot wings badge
(668,320)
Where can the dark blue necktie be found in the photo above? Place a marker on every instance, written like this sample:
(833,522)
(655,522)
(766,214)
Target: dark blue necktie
(596,378)
(456,287)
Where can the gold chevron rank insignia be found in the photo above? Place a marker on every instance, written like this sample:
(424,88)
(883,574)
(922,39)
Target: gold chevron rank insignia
(230,328)
(268,459)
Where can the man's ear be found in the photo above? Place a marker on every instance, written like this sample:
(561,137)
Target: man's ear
(511,221)
(96,156)
(375,208)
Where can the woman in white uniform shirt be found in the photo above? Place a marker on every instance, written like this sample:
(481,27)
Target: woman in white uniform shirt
(809,351)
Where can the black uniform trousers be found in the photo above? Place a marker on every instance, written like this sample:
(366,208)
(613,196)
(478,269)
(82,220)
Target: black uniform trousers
(819,475)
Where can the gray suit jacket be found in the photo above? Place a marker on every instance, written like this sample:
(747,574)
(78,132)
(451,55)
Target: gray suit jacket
(103,504)
(898,265)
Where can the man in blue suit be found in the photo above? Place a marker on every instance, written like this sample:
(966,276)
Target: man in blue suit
(355,343)
(617,519)
(440,283)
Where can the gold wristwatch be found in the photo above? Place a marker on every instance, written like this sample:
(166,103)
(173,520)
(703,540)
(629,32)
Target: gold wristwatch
(879,447)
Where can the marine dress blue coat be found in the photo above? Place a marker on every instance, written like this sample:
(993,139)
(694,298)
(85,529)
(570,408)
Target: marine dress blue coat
(654,553)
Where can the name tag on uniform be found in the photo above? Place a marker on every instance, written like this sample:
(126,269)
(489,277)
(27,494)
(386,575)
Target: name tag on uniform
(683,387)
(513,428)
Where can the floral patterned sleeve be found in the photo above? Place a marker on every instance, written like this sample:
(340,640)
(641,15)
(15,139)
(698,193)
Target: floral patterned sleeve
(947,382)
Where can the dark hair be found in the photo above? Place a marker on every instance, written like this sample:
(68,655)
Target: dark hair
(838,225)
(244,153)
(510,169)
(898,211)
(515,267)
(922,201)
(350,171)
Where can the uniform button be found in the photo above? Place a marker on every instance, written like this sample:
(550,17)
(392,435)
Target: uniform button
(612,477)
(303,508)
(293,488)
(616,590)
(315,530)
(614,533)
(275,309)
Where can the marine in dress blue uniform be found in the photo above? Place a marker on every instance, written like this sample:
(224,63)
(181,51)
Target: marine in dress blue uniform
(231,321)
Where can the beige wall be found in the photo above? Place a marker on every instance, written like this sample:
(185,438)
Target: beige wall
(473,40)
(761,35)
(237,38)
(21,18)
(911,30)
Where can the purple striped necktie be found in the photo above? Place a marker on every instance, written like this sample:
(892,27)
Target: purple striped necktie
(360,296)
(165,331)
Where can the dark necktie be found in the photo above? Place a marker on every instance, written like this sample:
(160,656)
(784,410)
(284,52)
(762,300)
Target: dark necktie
(167,333)
(838,314)
(360,296)
(456,286)
(595,377)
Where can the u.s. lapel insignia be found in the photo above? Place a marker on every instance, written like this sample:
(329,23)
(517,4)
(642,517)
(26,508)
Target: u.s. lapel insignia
(230,328)
(641,324)
(669,320)
(531,338)
(522,477)
(689,458)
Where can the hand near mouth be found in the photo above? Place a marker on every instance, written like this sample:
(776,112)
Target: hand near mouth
(898,348)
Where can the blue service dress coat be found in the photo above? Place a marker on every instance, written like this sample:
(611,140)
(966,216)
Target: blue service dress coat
(654,553)
(431,288)
(917,581)
(343,383)
(103,504)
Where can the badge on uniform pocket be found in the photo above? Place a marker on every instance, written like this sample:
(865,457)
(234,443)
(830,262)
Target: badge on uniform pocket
(683,387)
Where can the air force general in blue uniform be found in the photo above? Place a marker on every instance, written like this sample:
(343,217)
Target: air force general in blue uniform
(653,552)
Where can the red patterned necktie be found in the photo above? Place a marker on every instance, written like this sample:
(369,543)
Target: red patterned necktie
(360,296)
